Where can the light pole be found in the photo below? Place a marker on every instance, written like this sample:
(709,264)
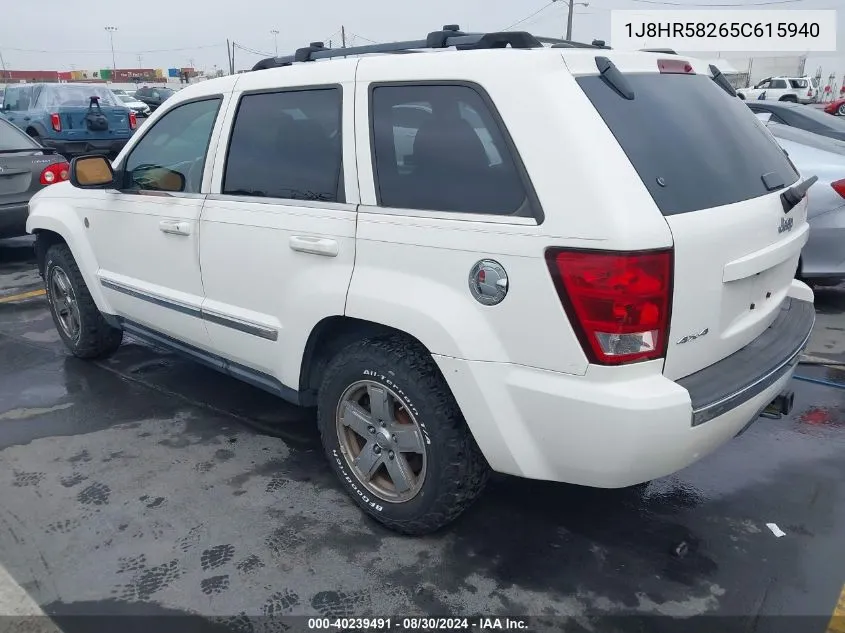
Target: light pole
(111,30)
(275,34)
(572,5)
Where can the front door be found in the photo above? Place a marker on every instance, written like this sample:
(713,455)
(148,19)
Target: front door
(145,234)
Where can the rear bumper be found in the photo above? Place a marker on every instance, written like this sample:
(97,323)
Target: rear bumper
(13,220)
(616,427)
(75,148)
(750,371)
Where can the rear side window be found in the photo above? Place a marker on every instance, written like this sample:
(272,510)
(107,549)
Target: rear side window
(778,83)
(693,145)
(287,145)
(799,83)
(440,148)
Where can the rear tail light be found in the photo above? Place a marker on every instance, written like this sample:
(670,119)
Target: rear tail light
(839,187)
(133,121)
(57,172)
(674,66)
(810,93)
(56,122)
(619,303)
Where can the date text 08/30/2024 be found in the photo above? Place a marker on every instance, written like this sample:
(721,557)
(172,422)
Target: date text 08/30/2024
(418,624)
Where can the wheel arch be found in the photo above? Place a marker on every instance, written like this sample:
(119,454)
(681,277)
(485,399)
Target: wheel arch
(328,337)
(47,221)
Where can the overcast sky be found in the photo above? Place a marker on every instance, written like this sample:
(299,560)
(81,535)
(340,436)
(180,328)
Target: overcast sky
(48,35)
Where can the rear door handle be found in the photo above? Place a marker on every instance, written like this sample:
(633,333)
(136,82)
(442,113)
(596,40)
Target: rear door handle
(314,245)
(174,227)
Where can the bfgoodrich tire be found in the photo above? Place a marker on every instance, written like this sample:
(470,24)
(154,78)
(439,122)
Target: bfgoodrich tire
(395,436)
(80,324)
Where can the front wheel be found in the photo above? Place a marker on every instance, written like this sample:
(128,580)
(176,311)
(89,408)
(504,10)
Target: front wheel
(395,436)
(80,324)
(841,110)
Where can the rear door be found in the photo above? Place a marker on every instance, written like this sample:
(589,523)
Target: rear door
(716,174)
(278,228)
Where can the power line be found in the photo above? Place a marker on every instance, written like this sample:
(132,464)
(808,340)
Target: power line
(361,37)
(528,17)
(252,50)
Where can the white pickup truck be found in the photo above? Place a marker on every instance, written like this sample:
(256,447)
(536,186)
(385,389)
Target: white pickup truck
(795,89)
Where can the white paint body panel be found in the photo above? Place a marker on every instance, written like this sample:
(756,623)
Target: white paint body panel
(534,403)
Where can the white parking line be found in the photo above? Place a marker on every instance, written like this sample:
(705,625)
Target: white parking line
(26,615)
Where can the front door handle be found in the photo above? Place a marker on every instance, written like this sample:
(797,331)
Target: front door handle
(314,245)
(174,227)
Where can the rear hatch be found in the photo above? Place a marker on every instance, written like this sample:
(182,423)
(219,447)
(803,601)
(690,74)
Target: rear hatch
(716,175)
(77,114)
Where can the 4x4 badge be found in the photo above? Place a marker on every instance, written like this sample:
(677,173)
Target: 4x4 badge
(488,282)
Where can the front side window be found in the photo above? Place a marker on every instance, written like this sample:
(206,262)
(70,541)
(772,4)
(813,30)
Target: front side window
(439,148)
(174,149)
(287,145)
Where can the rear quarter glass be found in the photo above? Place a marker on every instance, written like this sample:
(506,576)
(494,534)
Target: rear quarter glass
(693,145)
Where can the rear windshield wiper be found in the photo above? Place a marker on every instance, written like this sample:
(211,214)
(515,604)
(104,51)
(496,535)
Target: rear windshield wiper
(613,76)
(722,81)
(794,195)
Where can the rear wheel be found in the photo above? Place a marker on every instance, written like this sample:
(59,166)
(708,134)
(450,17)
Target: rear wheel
(395,436)
(841,110)
(80,324)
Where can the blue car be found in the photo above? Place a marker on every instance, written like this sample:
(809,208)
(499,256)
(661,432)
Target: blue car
(70,118)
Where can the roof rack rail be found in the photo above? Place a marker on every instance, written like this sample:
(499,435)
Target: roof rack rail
(667,51)
(450,35)
(559,43)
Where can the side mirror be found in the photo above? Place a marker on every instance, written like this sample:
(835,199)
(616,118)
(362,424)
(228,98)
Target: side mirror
(91,172)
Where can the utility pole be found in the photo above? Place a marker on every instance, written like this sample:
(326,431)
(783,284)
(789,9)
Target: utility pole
(572,4)
(229,57)
(140,62)
(343,35)
(111,30)
(275,34)
(3,66)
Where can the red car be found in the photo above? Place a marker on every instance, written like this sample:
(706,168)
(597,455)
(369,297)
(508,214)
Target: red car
(836,107)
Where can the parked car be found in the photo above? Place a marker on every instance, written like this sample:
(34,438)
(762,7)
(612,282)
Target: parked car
(800,116)
(823,258)
(795,89)
(25,168)
(140,108)
(70,118)
(480,302)
(836,107)
(153,97)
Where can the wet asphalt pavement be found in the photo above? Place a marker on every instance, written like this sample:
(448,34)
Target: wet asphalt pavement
(149,484)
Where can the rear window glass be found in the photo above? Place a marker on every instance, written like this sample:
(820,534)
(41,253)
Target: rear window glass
(70,95)
(11,138)
(693,145)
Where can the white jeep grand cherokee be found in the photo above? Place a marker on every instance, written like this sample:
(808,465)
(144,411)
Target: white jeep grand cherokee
(564,263)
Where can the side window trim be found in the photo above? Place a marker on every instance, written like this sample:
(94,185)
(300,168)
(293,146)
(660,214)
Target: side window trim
(120,170)
(340,203)
(534,202)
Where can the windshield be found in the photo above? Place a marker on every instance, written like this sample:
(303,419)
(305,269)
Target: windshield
(125,98)
(693,145)
(165,92)
(11,138)
(803,137)
(75,95)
